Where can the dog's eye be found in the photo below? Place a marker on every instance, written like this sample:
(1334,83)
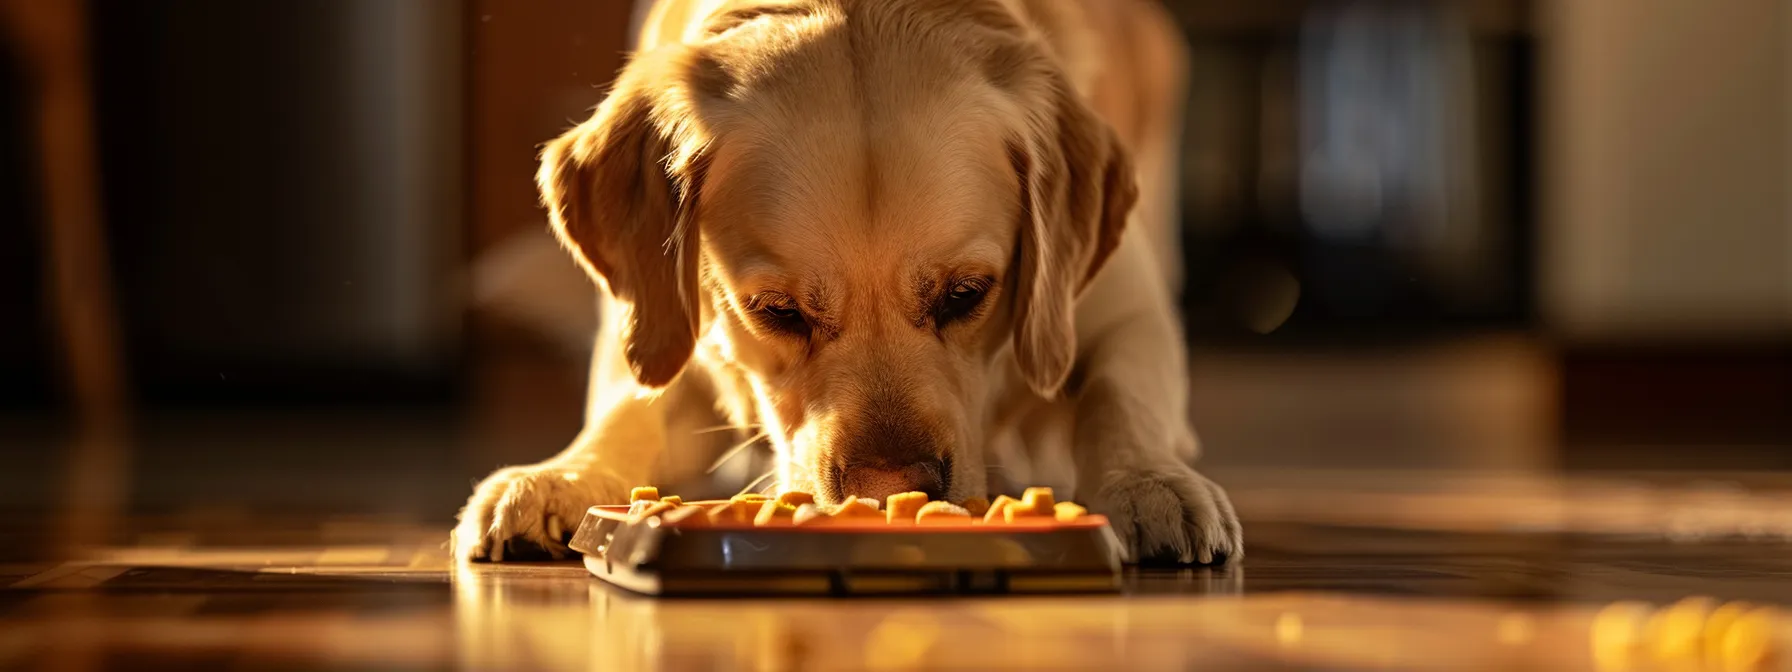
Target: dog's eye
(962,300)
(779,312)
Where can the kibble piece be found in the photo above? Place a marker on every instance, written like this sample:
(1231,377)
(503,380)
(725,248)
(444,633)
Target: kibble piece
(977,506)
(1717,625)
(794,498)
(1677,633)
(941,512)
(1618,633)
(644,493)
(904,506)
(733,512)
(998,510)
(805,514)
(772,511)
(1068,512)
(1751,642)
(674,500)
(1034,503)
(854,507)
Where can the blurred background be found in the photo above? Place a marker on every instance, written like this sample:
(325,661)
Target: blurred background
(286,254)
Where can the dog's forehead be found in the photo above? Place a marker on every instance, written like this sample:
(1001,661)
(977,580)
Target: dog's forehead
(833,193)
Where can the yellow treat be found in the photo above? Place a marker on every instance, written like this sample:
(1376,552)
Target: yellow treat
(774,511)
(647,493)
(904,506)
(1034,503)
(674,500)
(1617,633)
(1717,626)
(1678,632)
(1068,512)
(651,510)
(998,510)
(794,498)
(733,512)
(805,514)
(854,507)
(749,497)
(977,506)
(941,512)
(1750,643)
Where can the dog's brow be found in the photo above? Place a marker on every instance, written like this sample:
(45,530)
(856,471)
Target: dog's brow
(815,295)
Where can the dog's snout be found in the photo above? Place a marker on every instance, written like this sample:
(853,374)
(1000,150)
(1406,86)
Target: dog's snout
(893,443)
(881,481)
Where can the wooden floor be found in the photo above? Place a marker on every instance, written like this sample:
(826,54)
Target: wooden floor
(1345,571)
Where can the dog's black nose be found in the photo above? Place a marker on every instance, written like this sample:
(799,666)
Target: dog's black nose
(878,481)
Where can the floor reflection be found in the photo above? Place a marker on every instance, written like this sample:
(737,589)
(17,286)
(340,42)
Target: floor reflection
(296,592)
(552,618)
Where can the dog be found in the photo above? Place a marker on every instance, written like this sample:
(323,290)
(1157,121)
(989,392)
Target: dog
(911,245)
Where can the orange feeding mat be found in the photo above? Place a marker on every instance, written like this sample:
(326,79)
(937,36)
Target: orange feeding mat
(789,544)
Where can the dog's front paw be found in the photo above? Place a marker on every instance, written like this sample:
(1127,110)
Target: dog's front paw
(529,513)
(1170,515)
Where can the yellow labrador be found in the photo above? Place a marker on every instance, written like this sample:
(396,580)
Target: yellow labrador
(892,236)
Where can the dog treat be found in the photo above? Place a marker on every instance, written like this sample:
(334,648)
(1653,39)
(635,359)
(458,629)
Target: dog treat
(854,507)
(1751,642)
(977,506)
(1617,633)
(1068,512)
(998,510)
(800,508)
(1678,632)
(1717,627)
(794,498)
(807,513)
(941,512)
(1035,502)
(904,506)
(771,511)
(1693,633)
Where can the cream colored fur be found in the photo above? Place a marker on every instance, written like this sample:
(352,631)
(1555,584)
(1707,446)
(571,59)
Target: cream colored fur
(786,204)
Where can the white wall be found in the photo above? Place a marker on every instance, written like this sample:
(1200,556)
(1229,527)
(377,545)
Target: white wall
(1667,150)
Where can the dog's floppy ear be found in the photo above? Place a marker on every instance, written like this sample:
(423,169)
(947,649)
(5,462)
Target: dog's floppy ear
(1077,190)
(620,191)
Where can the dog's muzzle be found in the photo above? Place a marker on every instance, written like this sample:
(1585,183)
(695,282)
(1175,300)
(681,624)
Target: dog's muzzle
(878,481)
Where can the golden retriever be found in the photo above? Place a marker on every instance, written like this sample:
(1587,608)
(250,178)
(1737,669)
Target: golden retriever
(892,237)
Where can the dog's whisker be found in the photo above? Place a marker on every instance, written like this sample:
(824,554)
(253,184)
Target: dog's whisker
(731,453)
(724,428)
(757,481)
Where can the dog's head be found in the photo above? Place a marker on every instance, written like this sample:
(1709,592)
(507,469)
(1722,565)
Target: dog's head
(860,207)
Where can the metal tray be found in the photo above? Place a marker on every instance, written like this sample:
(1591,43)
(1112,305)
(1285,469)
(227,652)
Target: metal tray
(654,557)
